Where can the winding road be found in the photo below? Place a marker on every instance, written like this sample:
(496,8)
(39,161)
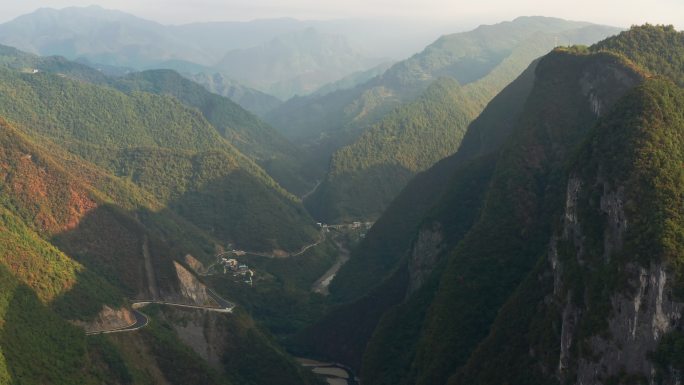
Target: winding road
(301,251)
(307,194)
(141,320)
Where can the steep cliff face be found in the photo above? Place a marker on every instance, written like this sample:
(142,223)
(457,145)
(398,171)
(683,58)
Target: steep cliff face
(641,312)
(622,220)
(424,256)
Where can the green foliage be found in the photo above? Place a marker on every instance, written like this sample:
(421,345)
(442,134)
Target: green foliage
(343,333)
(101,349)
(213,192)
(25,62)
(639,148)
(484,61)
(523,338)
(110,128)
(365,176)
(245,131)
(635,151)
(36,346)
(252,357)
(656,48)
(387,360)
(73,291)
(670,352)
(522,201)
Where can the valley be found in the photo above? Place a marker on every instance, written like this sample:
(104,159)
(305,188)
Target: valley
(340,201)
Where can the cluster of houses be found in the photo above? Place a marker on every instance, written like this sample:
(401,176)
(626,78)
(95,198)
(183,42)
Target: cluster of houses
(237,269)
(362,226)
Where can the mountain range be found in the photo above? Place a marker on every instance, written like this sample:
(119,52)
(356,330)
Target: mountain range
(373,133)
(503,207)
(281,57)
(546,250)
(90,223)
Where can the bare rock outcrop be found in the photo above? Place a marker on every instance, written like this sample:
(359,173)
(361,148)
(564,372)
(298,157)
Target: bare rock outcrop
(424,256)
(108,319)
(192,291)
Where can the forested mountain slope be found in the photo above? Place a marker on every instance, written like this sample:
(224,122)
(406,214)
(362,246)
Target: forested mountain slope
(377,144)
(365,176)
(254,138)
(130,134)
(74,240)
(466,57)
(532,260)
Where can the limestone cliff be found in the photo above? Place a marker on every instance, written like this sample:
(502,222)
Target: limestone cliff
(424,256)
(638,313)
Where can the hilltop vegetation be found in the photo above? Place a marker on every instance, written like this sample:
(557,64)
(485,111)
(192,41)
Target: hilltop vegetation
(658,49)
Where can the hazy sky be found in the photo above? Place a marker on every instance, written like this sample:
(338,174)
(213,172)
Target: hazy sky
(614,12)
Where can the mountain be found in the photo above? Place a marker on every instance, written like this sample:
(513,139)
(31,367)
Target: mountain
(466,56)
(295,63)
(282,57)
(246,132)
(104,195)
(74,242)
(131,135)
(626,326)
(252,136)
(13,58)
(364,177)
(550,255)
(374,131)
(102,36)
(250,99)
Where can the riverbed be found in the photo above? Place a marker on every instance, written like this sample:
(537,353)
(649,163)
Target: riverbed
(334,373)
